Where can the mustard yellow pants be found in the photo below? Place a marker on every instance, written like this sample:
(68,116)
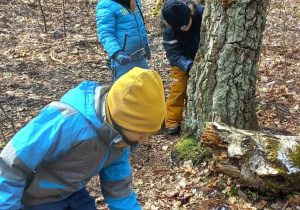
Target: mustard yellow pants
(176,100)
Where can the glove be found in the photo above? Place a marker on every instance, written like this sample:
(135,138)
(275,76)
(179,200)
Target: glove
(122,58)
(187,64)
(147,52)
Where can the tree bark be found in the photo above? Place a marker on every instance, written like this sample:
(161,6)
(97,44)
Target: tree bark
(158,7)
(160,3)
(223,78)
(267,162)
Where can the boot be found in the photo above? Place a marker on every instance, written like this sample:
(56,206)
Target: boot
(173,130)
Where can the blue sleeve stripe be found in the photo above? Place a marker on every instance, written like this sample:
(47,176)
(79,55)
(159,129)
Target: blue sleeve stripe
(102,164)
(129,202)
(51,185)
(11,192)
(118,170)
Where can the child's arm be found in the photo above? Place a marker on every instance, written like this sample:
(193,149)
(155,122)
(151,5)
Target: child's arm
(174,53)
(106,24)
(116,180)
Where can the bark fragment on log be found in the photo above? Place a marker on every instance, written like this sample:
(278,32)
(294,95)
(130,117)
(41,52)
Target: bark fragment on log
(267,162)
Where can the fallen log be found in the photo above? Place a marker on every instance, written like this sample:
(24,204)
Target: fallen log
(263,161)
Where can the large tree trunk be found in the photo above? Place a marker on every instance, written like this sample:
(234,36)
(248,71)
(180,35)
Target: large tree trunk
(223,79)
(269,163)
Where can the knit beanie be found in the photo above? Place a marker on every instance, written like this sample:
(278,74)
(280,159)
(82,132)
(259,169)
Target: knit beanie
(176,13)
(136,101)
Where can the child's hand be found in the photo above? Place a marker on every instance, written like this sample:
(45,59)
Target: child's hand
(188,64)
(122,58)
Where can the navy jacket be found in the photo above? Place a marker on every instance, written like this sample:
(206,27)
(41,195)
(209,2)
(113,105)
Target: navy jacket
(181,46)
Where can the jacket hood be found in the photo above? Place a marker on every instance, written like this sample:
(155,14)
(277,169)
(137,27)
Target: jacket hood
(83,99)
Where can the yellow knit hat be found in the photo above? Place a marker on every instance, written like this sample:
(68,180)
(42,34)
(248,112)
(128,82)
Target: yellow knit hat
(136,101)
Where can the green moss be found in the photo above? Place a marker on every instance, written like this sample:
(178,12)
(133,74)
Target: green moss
(190,149)
(295,157)
(272,149)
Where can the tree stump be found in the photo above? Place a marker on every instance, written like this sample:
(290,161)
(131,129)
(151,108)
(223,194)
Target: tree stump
(263,161)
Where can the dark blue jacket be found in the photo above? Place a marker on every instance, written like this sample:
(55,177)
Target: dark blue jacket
(181,46)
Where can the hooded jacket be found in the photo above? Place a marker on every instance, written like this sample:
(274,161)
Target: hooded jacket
(60,150)
(181,46)
(120,30)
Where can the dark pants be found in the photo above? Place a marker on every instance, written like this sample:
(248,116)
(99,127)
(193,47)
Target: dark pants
(77,201)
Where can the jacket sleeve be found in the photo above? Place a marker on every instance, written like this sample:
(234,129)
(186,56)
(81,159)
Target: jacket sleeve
(106,24)
(173,51)
(38,141)
(116,180)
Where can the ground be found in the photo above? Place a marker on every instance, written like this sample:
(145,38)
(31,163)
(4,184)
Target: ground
(37,68)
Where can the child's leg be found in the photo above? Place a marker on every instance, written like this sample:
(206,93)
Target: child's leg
(60,205)
(81,200)
(77,201)
(175,101)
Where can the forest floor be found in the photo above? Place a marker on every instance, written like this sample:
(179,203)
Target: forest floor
(37,68)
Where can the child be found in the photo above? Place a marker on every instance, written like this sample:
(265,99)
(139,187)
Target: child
(122,33)
(181,40)
(48,163)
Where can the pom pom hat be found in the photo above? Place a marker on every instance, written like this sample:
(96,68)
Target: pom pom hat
(136,101)
(176,13)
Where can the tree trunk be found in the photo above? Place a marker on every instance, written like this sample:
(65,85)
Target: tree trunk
(201,2)
(267,162)
(158,7)
(160,3)
(223,79)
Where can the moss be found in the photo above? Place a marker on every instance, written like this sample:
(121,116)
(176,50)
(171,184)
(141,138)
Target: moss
(272,149)
(295,157)
(190,149)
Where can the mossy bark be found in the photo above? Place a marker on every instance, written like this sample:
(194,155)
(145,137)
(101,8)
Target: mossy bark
(223,79)
(263,161)
(158,7)
(160,3)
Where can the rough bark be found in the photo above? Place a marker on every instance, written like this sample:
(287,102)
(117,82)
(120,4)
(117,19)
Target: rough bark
(223,79)
(267,162)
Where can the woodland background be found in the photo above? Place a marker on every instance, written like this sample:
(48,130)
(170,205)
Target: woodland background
(37,68)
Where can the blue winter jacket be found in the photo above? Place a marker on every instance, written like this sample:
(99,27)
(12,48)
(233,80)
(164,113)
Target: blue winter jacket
(60,150)
(120,30)
(181,47)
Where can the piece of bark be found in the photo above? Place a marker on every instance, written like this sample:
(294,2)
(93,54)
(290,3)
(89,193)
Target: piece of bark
(267,162)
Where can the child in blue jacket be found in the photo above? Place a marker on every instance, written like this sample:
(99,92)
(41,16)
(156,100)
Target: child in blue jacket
(48,163)
(181,41)
(123,35)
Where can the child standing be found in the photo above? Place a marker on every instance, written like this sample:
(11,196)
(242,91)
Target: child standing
(181,40)
(122,33)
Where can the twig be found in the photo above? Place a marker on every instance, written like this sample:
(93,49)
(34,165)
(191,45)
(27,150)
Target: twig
(44,18)
(2,133)
(64,17)
(59,61)
(10,120)
(55,59)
